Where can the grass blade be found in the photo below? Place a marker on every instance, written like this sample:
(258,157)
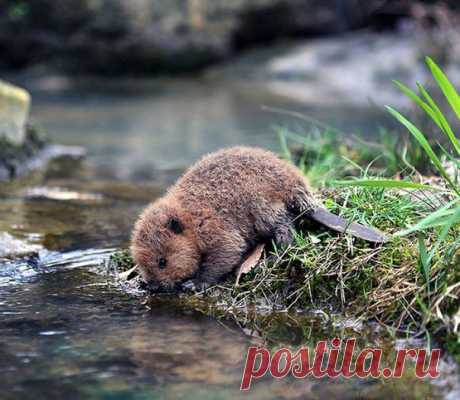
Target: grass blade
(443,123)
(435,219)
(286,152)
(424,262)
(384,183)
(416,99)
(449,223)
(447,88)
(420,137)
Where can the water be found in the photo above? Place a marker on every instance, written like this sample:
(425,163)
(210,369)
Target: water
(67,331)
(136,129)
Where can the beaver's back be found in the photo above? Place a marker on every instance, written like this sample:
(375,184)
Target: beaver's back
(239,182)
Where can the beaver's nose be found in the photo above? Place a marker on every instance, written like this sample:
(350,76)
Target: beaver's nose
(151,286)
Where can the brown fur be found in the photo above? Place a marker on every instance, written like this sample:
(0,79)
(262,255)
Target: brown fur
(220,208)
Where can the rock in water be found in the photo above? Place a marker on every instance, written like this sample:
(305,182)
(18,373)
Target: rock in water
(14,112)
(11,247)
(22,147)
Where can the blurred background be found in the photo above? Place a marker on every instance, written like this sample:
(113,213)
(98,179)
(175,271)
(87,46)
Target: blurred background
(150,85)
(147,87)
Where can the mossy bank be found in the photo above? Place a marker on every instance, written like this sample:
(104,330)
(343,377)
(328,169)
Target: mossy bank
(340,275)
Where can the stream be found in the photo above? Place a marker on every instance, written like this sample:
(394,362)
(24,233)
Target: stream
(65,330)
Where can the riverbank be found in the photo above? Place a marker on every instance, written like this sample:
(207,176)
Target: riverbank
(410,284)
(340,275)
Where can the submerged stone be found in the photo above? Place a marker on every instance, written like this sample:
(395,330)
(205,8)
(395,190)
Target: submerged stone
(11,247)
(34,153)
(14,113)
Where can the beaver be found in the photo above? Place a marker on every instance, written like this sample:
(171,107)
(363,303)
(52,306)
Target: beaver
(218,211)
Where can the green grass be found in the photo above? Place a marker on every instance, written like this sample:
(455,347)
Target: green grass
(324,156)
(381,283)
(438,231)
(340,274)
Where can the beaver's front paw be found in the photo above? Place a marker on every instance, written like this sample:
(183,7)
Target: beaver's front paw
(194,285)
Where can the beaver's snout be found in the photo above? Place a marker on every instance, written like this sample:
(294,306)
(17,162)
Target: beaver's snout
(159,287)
(153,286)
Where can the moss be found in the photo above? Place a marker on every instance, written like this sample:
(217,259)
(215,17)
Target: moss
(452,343)
(120,261)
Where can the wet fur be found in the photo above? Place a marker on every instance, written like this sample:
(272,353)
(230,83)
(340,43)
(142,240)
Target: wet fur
(222,206)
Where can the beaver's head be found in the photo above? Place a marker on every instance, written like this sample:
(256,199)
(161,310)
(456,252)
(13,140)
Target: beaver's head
(164,246)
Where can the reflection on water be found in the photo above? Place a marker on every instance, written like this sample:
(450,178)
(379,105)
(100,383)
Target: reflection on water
(71,333)
(68,214)
(66,332)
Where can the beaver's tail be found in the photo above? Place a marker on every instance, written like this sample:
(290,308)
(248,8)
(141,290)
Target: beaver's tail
(340,224)
(306,206)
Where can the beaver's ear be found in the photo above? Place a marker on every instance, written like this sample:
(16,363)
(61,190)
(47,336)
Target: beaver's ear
(175,226)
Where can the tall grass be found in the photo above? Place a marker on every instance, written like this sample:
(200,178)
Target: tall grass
(445,219)
(448,215)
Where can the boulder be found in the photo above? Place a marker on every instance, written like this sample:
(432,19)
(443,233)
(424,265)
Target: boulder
(14,112)
(22,147)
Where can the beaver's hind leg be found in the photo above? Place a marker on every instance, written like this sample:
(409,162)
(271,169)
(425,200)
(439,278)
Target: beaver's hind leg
(275,222)
(283,231)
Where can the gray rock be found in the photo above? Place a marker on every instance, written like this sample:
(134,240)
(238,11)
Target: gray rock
(14,112)
(34,153)
(23,164)
(11,247)
(356,66)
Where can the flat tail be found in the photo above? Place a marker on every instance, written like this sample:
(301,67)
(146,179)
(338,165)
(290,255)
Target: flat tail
(340,224)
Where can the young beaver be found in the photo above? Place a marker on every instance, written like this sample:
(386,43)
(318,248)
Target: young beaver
(218,211)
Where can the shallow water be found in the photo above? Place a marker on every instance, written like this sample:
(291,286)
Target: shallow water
(137,129)
(67,331)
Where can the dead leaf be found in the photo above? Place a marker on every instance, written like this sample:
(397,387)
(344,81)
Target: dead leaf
(128,275)
(250,262)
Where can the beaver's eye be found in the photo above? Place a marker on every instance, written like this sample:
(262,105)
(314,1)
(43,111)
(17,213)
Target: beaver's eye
(162,263)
